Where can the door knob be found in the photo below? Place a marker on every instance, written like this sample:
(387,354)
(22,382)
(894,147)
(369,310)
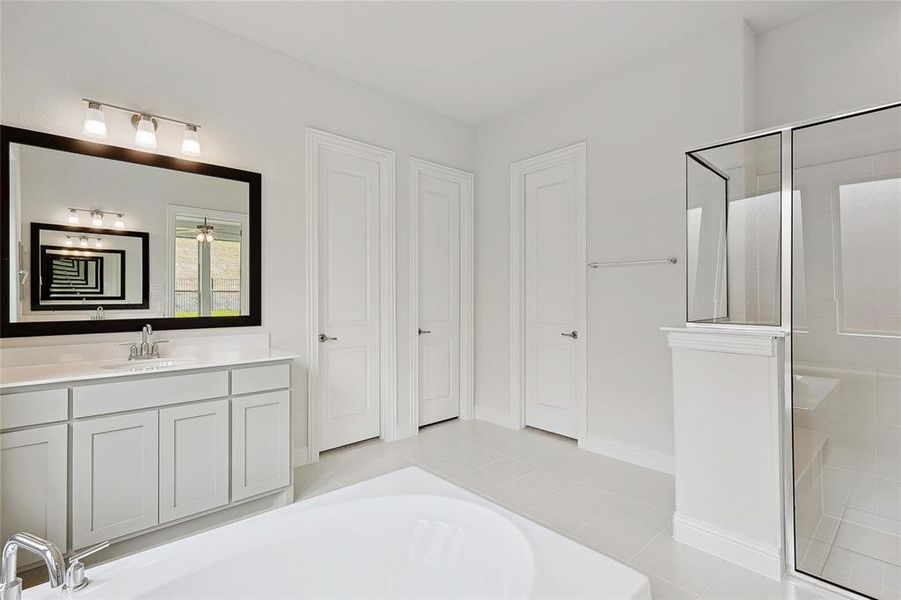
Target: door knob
(325,338)
(573,334)
(422,331)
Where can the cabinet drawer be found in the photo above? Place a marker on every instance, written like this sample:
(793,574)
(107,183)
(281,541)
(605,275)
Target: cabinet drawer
(33,408)
(260,379)
(104,398)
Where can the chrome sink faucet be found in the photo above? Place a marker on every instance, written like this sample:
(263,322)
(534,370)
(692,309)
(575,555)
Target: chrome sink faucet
(10,584)
(148,348)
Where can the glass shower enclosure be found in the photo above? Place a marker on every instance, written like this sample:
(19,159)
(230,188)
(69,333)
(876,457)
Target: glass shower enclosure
(798,229)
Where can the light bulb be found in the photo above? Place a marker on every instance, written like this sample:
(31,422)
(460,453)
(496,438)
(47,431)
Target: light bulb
(96,218)
(209,237)
(120,221)
(98,243)
(145,136)
(201,236)
(73,216)
(83,242)
(94,123)
(68,241)
(190,145)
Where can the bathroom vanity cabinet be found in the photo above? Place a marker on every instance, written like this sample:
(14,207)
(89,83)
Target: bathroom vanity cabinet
(123,456)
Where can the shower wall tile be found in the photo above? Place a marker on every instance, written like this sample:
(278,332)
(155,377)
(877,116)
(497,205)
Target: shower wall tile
(888,450)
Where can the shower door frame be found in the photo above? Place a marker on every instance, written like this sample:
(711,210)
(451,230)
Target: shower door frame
(784,329)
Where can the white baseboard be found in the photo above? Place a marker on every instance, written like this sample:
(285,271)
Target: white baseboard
(300,457)
(492,415)
(637,455)
(737,548)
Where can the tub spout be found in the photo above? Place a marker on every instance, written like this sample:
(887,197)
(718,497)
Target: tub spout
(10,584)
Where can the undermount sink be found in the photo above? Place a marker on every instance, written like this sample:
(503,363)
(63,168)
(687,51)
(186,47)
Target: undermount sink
(149,364)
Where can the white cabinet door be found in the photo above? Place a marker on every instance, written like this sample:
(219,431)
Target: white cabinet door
(554,205)
(33,484)
(261,445)
(115,476)
(193,459)
(438,198)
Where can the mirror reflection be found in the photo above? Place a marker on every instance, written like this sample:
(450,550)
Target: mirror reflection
(98,238)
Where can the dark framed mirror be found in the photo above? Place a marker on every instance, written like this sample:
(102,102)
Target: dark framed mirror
(98,238)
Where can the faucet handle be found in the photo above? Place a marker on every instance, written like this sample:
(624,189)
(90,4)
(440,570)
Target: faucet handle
(75,578)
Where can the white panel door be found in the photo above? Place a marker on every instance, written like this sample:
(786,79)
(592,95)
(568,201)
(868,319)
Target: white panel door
(115,476)
(348,190)
(261,445)
(33,485)
(439,298)
(554,217)
(193,459)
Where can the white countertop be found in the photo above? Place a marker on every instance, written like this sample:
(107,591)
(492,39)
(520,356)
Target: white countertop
(13,378)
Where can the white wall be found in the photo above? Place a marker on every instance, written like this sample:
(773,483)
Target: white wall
(253,105)
(638,122)
(843,58)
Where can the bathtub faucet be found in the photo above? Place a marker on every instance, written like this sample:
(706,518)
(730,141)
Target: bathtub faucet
(10,584)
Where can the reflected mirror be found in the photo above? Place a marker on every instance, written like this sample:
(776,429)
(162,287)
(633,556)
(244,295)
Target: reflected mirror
(102,238)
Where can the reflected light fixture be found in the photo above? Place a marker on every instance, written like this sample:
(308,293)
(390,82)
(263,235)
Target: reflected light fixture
(190,145)
(205,232)
(145,126)
(98,243)
(96,216)
(145,136)
(83,242)
(68,241)
(94,123)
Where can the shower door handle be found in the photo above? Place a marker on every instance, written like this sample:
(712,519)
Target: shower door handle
(573,334)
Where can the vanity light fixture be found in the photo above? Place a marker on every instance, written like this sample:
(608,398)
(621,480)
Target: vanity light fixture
(94,123)
(145,136)
(145,125)
(68,240)
(98,243)
(205,232)
(83,242)
(190,145)
(97,216)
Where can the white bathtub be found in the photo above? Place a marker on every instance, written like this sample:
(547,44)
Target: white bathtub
(407,534)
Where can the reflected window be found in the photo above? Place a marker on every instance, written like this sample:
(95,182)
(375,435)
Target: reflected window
(868,257)
(209,277)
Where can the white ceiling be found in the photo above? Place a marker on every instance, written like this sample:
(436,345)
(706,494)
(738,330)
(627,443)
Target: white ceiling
(473,61)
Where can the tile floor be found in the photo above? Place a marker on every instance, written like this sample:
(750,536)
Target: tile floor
(614,507)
